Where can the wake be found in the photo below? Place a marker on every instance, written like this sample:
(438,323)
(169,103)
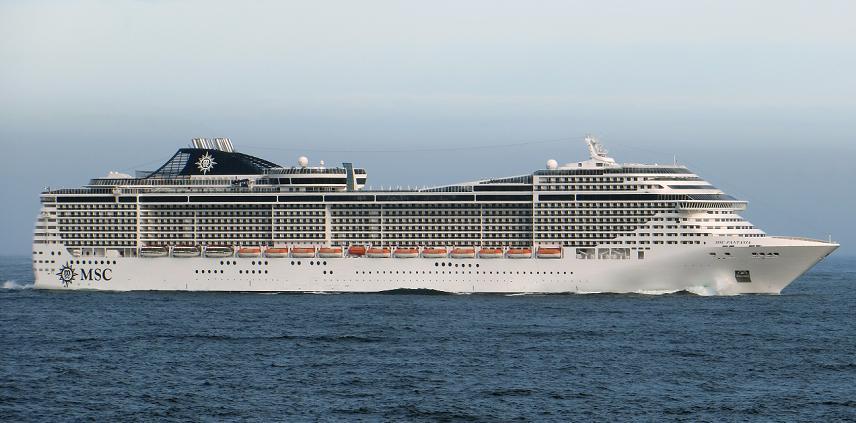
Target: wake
(12,284)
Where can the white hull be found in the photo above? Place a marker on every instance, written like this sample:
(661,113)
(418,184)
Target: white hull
(663,269)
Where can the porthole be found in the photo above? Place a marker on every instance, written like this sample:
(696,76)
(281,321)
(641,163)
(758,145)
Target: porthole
(292,262)
(325,262)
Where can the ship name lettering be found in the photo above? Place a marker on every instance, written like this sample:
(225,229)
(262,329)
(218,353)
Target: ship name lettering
(96,274)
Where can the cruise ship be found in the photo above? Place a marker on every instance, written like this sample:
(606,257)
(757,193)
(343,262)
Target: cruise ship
(214,219)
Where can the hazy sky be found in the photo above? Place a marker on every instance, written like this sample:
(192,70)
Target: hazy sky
(759,97)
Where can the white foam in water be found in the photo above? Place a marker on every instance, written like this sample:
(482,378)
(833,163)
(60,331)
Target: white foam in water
(705,291)
(11,284)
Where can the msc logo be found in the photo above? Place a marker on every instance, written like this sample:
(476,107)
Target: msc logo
(67,274)
(206,163)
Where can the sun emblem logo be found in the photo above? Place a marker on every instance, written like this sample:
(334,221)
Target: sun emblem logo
(206,163)
(66,274)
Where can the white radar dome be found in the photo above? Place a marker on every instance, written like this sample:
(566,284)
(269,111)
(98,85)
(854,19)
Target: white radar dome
(303,161)
(552,164)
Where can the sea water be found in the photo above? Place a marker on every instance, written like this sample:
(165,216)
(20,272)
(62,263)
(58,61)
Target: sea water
(290,357)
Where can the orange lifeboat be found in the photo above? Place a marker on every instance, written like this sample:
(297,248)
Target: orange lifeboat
(276,252)
(249,252)
(549,252)
(516,253)
(330,252)
(434,252)
(406,253)
(303,252)
(378,252)
(489,253)
(463,253)
(357,250)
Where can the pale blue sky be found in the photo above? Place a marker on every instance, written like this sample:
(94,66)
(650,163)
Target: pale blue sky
(757,96)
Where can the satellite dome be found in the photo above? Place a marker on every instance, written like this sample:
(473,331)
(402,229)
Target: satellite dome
(552,164)
(303,161)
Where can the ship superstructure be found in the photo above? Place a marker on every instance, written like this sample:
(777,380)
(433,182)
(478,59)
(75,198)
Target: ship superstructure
(211,218)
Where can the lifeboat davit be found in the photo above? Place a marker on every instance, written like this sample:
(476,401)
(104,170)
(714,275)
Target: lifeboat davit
(330,252)
(517,253)
(434,252)
(489,253)
(219,251)
(303,252)
(463,253)
(152,252)
(357,250)
(549,252)
(378,252)
(276,252)
(249,252)
(406,253)
(185,251)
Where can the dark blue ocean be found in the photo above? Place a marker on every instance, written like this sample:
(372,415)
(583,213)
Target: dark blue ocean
(296,357)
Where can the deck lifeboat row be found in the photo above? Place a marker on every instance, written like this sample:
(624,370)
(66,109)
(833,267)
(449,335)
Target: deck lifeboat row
(218,251)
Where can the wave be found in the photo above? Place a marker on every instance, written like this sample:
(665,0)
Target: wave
(13,284)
